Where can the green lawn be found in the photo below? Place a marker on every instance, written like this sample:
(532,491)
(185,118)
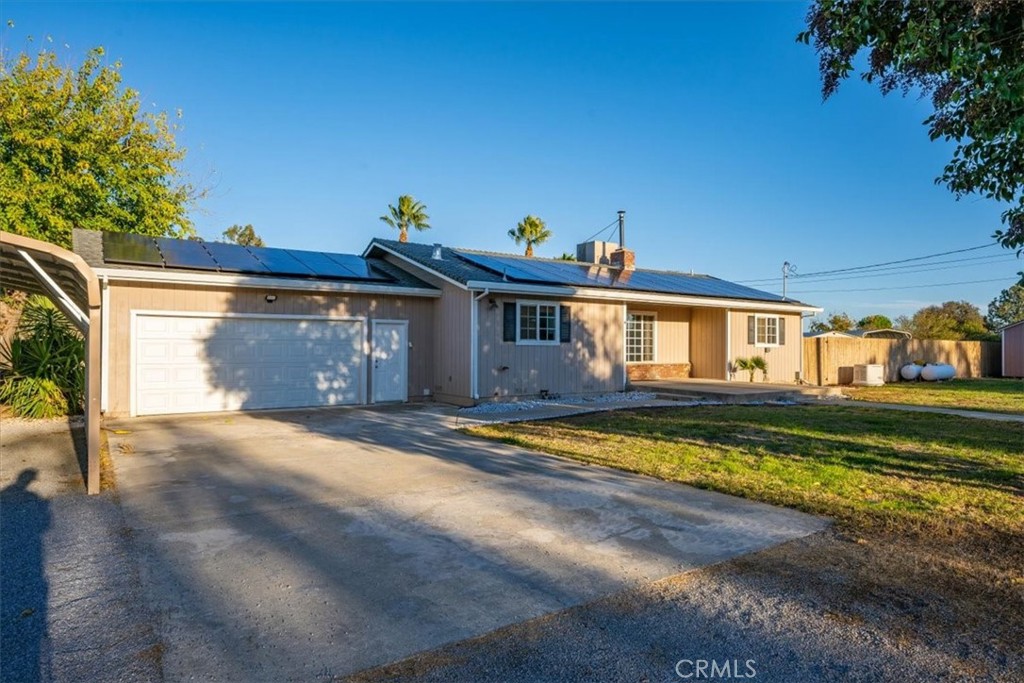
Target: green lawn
(863,467)
(995,395)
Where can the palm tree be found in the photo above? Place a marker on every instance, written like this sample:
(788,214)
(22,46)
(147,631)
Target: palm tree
(530,230)
(409,214)
(759,363)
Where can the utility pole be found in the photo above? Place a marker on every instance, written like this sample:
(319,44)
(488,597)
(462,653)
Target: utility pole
(788,269)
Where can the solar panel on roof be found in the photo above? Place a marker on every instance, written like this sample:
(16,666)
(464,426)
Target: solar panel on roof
(281,261)
(592,275)
(235,258)
(133,249)
(499,267)
(320,265)
(186,254)
(358,265)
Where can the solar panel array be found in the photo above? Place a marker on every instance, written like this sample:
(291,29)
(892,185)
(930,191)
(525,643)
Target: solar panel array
(219,257)
(577,274)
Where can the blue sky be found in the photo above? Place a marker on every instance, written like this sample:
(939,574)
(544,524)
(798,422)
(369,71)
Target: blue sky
(703,121)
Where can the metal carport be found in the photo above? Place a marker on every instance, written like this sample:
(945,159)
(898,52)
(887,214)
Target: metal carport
(38,267)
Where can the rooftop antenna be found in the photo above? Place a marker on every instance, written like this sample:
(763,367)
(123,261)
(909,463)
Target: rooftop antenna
(788,270)
(622,229)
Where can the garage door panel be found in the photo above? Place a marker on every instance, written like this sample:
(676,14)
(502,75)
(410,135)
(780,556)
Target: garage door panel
(208,364)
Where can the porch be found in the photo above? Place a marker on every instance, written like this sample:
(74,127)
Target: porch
(729,392)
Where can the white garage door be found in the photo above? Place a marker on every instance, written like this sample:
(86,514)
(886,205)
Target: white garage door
(190,364)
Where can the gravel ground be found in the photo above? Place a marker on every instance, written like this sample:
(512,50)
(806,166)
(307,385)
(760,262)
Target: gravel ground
(70,596)
(798,612)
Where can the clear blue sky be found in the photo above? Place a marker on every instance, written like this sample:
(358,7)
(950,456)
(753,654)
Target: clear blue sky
(703,121)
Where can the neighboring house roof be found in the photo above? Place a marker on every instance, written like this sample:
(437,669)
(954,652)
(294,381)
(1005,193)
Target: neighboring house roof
(121,252)
(881,334)
(465,266)
(830,333)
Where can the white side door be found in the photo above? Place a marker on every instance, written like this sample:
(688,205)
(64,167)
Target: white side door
(390,360)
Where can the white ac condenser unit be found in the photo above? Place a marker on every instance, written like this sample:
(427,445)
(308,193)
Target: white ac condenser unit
(868,375)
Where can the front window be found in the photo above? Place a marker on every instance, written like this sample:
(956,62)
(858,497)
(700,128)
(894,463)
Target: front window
(767,330)
(640,338)
(538,323)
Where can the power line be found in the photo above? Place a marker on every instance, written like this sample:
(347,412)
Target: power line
(881,289)
(885,263)
(902,267)
(908,269)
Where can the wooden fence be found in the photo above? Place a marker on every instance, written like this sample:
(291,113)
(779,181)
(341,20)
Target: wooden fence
(830,360)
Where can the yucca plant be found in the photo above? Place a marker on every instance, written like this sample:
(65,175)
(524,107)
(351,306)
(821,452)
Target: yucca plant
(43,367)
(759,363)
(745,364)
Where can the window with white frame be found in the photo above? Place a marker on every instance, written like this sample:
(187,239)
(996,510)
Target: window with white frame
(640,337)
(767,330)
(538,323)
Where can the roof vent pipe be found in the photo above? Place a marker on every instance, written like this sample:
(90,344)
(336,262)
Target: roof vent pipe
(437,252)
(622,229)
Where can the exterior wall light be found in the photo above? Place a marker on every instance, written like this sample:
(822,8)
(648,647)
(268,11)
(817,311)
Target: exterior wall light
(270,298)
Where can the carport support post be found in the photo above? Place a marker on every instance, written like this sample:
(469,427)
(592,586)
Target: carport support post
(92,400)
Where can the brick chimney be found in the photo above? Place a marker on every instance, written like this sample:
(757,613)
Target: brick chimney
(624,259)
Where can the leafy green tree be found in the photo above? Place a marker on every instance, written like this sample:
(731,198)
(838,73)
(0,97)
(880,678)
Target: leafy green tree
(531,231)
(955,320)
(76,151)
(1007,308)
(566,256)
(967,56)
(836,322)
(408,214)
(874,322)
(244,235)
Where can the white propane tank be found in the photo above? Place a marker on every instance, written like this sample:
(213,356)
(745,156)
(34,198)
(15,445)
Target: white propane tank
(937,372)
(910,371)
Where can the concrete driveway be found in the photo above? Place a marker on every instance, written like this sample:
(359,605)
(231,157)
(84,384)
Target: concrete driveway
(313,544)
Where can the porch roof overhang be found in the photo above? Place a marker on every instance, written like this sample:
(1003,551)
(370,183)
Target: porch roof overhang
(38,267)
(642,297)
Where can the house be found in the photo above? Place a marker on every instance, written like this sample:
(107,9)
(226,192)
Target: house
(886,333)
(1013,349)
(861,334)
(195,327)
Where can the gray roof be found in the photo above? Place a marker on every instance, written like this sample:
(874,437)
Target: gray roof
(89,245)
(465,265)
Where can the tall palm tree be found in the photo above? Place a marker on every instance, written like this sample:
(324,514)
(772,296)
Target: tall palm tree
(530,230)
(409,214)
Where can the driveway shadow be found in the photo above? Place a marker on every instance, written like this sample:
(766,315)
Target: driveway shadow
(24,519)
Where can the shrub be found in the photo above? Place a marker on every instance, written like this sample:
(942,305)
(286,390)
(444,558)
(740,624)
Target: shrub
(44,365)
(759,363)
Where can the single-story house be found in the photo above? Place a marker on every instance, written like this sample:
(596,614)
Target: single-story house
(190,326)
(1013,349)
(861,334)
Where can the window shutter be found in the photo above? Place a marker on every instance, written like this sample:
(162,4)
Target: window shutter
(782,331)
(508,333)
(751,330)
(565,324)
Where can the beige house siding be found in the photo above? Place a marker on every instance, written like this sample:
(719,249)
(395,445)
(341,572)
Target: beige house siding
(126,297)
(452,359)
(591,362)
(671,332)
(1013,351)
(707,343)
(783,361)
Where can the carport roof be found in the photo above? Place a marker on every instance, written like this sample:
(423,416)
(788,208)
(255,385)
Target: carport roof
(379,273)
